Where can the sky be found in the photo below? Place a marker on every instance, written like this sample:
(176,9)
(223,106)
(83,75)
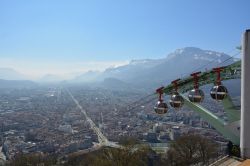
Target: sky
(74,36)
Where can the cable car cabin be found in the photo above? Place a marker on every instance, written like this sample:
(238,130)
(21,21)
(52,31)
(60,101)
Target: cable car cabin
(196,95)
(176,100)
(161,107)
(218,92)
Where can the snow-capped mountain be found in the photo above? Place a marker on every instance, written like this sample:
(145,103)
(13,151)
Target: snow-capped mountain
(154,72)
(196,53)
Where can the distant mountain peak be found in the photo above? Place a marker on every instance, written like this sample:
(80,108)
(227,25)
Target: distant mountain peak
(187,49)
(196,53)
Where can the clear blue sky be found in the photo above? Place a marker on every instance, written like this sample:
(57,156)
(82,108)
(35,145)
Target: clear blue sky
(44,31)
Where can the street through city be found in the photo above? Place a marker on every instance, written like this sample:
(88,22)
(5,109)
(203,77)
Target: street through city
(103,141)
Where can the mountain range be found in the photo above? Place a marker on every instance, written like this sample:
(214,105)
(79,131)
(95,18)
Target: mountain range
(145,73)
(155,72)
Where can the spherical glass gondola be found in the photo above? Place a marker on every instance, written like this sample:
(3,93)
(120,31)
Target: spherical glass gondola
(196,95)
(218,92)
(176,100)
(161,107)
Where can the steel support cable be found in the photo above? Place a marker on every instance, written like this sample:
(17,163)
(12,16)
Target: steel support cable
(229,58)
(210,62)
(145,102)
(201,67)
(137,103)
(141,99)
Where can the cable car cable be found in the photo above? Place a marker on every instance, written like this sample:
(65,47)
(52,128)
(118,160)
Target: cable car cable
(199,68)
(209,63)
